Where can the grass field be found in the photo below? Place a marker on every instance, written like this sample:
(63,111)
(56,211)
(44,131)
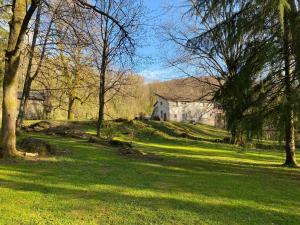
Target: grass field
(192,182)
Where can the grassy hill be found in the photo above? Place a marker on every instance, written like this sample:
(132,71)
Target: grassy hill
(192,180)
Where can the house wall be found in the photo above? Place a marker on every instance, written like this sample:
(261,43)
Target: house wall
(202,112)
(162,109)
(34,109)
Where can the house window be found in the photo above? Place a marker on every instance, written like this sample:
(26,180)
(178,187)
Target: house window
(176,103)
(161,114)
(175,116)
(160,103)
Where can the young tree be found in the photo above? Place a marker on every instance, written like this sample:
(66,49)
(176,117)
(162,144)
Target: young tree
(113,50)
(41,33)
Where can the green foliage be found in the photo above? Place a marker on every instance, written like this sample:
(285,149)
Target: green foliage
(244,38)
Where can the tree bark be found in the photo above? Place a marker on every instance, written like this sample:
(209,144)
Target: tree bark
(71,108)
(23,102)
(290,151)
(102,88)
(18,27)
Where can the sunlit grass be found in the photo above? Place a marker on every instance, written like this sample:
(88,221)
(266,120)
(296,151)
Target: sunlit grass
(194,182)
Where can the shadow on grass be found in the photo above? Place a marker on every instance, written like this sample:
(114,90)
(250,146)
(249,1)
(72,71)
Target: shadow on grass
(202,131)
(210,208)
(224,191)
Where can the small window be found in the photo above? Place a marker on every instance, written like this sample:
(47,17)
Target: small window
(175,116)
(176,103)
(161,114)
(161,103)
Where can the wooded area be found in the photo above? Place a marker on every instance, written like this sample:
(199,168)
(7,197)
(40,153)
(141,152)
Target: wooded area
(79,54)
(87,137)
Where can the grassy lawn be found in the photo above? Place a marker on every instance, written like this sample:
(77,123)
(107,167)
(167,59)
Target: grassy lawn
(194,182)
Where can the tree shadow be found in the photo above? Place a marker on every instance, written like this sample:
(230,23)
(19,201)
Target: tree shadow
(215,187)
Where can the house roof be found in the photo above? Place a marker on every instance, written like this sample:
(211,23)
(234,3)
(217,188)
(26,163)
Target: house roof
(33,95)
(188,89)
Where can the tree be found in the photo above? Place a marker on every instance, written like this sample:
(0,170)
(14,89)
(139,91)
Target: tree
(114,51)
(75,80)
(18,26)
(290,148)
(34,55)
(22,13)
(248,47)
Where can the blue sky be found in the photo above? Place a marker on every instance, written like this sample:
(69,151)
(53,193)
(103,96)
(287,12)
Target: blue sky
(154,66)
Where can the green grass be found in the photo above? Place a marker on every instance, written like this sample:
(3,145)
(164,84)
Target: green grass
(195,183)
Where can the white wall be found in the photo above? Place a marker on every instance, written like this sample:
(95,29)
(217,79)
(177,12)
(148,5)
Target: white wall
(192,111)
(203,112)
(162,107)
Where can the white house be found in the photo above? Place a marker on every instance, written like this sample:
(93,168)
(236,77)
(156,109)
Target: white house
(187,100)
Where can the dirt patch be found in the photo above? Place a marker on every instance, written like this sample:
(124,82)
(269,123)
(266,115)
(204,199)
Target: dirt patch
(189,136)
(39,126)
(97,140)
(66,131)
(37,146)
(112,143)
(52,128)
(32,147)
(126,151)
(122,120)
(225,140)
(135,153)
(124,148)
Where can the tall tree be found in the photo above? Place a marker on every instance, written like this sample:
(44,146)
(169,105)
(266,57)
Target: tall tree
(250,46)
(290,159)
(18,26)
(114,51)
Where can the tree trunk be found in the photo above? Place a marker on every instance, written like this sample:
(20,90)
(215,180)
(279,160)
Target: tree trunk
(23,102)
(28,80)
(71,108)
(102,89)
(9,107)
(290,159)
(101,105)
(233,137)
(18,27)
(290,152)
